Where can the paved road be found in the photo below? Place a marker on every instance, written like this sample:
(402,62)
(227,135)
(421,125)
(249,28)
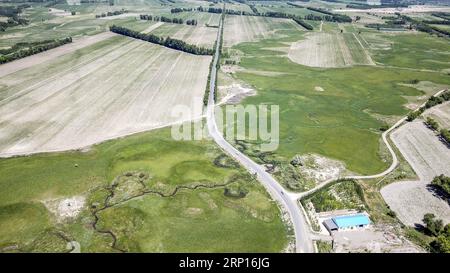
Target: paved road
(301,228)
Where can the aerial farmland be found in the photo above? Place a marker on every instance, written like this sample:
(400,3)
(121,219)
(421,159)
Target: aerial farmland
(90,154)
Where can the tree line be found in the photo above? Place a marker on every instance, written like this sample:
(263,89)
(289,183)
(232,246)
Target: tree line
(340,18)
(432,101)
(441,234)
(22,50)
(167,42)
(253,8)
(178,10)
(424,27)
(12,12)
(437,22)
(111,13)
(443,15)
(191,22)
(444,134)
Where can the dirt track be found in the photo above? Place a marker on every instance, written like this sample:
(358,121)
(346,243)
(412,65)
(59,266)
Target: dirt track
(429,157)
(77,100)
(20,64)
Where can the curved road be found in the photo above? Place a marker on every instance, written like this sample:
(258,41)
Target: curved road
(301,229)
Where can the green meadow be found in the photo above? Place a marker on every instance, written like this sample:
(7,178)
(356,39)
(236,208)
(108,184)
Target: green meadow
(417,51)
(340,121)
(187,197)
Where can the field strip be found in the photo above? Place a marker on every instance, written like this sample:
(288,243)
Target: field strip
(130,89)
(345,52)
(29,61)
(369,59)
(51,101)
(153,27)
(81,70)
(57,75)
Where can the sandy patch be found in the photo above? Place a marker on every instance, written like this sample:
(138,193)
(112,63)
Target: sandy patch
(375,239)
(318,168)
(193,211)
(66,208)
(235,93)
(319,89)
(429,157)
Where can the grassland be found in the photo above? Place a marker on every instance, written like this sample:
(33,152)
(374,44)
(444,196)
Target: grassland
(342,121)
(416,51)
(142,217)
(134,83)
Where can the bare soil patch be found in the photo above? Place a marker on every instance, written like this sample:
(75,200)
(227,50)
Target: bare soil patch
(235,93)
(318,168)
(429,157)
(375,239)
(66,208)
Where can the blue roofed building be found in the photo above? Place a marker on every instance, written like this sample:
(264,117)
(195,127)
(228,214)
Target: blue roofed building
(347,222)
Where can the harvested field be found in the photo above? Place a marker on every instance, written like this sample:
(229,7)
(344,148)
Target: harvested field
(153,27)
(429,157)
(329,50)
(198,35)
(113,88)
(441,113)
(241,29)
(40,58)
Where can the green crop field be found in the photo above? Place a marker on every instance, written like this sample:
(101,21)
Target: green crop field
(168,196)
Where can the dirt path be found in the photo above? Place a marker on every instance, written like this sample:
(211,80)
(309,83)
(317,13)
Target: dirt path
(8,68)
